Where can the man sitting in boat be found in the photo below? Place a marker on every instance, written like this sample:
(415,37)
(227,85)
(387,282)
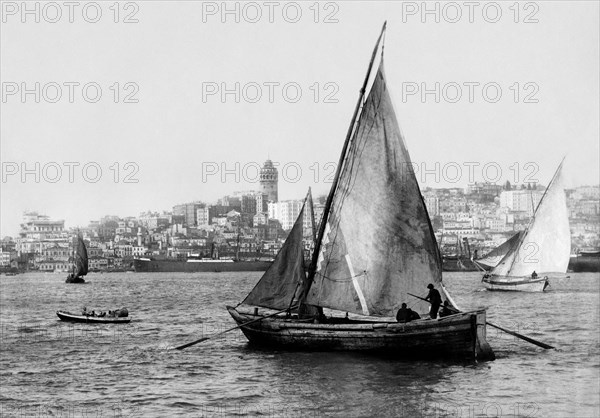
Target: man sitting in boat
(534,275)
(447,309)
(406,314)
(435,299)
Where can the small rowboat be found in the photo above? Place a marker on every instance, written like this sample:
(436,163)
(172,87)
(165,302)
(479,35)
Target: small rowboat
(70,317)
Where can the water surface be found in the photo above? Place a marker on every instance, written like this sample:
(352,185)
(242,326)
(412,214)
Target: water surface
(51,368)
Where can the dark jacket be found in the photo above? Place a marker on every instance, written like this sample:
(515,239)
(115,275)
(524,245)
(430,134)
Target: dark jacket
(434,297)
(406,315)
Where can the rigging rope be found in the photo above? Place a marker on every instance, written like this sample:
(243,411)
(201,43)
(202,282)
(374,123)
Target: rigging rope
(343,280)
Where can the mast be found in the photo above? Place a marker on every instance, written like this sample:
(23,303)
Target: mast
(313,265)
(312,216)
(237,251)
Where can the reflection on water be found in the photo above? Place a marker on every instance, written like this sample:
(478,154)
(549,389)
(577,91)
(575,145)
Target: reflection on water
(51,368)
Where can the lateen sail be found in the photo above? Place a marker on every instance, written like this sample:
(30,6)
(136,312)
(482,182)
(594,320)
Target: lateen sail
(492,258)
(81,258)
(277,286)
(378,242)
(546,244)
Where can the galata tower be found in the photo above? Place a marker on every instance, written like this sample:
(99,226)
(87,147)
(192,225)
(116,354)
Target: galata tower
(268,180)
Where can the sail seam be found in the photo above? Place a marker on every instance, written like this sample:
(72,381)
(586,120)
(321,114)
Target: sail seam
(361,296)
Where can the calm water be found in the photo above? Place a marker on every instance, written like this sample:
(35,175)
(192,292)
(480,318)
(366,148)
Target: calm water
(50,368)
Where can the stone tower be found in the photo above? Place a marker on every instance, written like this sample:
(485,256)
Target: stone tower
(268,180)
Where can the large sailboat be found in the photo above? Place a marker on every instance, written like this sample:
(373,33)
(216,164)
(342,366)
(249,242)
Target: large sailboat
(542,250)
(375,246)
(80,262)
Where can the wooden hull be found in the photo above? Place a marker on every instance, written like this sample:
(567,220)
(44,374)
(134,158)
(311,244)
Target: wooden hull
(585,264)
(518,284)
(461,335)
(458,264)
(69,317)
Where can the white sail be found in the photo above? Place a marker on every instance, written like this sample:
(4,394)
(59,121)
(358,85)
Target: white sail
(546,244)
(494,257)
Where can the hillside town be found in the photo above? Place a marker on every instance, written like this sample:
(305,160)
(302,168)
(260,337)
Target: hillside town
(252,225)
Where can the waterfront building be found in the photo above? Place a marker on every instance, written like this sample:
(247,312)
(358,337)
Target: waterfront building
(484,188)
(286,212)
(432,203)
(521,200)
(203,216)
(260,218)
(188,211)
(249,204)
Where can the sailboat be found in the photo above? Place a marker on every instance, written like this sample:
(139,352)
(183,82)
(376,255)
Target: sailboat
(375,246)
(542,250)
(80,262)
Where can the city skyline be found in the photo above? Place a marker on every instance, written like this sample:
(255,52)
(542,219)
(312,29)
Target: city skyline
(170,210)
(163,149)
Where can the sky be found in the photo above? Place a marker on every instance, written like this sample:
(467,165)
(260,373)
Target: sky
(115,110)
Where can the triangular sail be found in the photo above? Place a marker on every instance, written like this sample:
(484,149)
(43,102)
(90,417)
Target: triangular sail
(494,257)
(546,245)
(81,258)
(378,243)
(278,285)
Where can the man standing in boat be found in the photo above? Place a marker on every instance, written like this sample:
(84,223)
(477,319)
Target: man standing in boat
(435,299)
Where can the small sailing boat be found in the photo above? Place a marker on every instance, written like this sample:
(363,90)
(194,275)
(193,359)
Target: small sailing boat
(542,250)
(80,262)
(375,246)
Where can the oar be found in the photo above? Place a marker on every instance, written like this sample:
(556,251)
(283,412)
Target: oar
(513,333)
(530,340)
(181,347)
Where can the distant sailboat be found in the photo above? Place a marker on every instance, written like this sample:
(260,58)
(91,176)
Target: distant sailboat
(80,262)
(542,250)
(375,246)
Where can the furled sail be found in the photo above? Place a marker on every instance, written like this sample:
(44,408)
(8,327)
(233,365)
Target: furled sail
(494,257)
(378,242)
(277,286)
(81,258)
(546,244)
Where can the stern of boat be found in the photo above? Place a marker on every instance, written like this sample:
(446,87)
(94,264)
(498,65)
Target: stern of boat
(483,350)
